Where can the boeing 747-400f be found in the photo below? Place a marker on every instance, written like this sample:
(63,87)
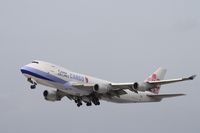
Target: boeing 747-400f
(86,89)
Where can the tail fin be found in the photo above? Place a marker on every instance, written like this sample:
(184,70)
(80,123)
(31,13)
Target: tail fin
(159,74)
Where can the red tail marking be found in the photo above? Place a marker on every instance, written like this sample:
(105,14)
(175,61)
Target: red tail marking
(157,88)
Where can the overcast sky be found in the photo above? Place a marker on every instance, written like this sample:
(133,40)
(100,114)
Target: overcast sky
(116,40)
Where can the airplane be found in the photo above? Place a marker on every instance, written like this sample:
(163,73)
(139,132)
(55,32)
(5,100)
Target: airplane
(89,90)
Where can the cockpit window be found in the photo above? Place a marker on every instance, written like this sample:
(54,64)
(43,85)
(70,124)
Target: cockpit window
(36,62)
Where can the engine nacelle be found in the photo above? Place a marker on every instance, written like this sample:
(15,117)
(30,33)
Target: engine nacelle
(51,96)
(141,86)
(101,88)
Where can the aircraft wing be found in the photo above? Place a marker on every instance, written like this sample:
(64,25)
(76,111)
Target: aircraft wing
(130,86)
(120,87)
(123,86)
(163,82)
(161,96)
(113,92)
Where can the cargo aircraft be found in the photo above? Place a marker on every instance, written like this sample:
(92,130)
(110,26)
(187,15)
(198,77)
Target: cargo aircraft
(89,90)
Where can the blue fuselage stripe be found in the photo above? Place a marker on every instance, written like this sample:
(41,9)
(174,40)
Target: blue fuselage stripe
(41,75)
(35,75)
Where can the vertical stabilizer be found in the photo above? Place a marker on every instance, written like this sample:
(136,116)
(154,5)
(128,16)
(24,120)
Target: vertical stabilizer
(159,74)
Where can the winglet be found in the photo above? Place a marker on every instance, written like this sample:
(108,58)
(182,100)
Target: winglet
(192,77)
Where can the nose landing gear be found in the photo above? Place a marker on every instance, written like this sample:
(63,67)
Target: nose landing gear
(33,86)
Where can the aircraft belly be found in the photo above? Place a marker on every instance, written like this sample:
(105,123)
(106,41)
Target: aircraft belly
(76,91)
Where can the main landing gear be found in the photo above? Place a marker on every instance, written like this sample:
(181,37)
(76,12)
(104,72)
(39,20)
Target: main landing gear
(89,104)
(33,86)
(91,99)
(95,99)
(79,103)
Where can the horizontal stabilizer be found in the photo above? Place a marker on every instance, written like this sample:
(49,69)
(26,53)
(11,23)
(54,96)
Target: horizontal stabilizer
(165,96)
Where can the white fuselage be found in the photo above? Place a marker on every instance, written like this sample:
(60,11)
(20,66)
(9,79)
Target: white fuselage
(57,77)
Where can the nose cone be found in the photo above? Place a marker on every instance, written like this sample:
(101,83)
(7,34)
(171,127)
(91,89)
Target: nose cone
(23,69)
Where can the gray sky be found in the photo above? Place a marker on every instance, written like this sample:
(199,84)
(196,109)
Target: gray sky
(116,40)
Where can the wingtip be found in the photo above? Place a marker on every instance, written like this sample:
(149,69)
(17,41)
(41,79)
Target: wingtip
(192,77)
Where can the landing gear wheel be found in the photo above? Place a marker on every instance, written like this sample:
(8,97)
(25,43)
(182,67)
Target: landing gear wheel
(33,86)
(98,103)
(88,104)
(76,101)
(79,104)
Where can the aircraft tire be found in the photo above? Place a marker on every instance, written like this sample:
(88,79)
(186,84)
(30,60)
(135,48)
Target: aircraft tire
(33,86)
(88,104)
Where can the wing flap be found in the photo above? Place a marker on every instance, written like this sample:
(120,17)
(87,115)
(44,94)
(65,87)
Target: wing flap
(123,86)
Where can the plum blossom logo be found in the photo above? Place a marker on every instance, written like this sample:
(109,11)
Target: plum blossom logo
(153,77)
(155,90)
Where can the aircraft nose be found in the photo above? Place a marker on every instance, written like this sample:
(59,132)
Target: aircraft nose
(22,69)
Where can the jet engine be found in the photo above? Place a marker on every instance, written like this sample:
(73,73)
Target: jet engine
(142,86)
(51,96)
(101,88)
